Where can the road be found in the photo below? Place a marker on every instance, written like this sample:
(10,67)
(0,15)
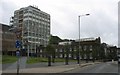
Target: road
(108,67)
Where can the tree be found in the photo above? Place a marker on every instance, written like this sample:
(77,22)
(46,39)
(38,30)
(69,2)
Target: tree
(67,54)
(102,53)
(82,53)
(77,55)
(54,40)
(87,54)
(94,53)
(38,48)
(50,50)
(53,54)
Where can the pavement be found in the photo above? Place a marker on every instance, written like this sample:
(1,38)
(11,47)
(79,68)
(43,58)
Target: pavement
(57,67)
(22,62)
(50,69)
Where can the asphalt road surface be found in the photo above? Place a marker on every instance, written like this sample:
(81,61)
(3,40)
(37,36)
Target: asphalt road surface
(107,67)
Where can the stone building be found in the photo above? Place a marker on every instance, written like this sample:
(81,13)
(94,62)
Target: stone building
(91,49)
(112,52)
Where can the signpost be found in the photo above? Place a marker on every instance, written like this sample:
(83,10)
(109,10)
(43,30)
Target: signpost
(18,45)
(17,53)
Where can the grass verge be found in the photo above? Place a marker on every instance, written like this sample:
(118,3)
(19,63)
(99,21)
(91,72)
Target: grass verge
(8,59)
(33,60)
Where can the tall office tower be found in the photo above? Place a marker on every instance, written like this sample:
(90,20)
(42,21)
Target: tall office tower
(34,26)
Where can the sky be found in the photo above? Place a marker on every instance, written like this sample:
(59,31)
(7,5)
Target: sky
(102,21)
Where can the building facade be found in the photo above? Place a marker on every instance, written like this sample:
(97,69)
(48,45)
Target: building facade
(34,26)
(91,49)
(7,40)
(112,52)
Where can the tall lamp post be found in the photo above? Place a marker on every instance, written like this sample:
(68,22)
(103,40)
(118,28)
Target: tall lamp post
(79,36)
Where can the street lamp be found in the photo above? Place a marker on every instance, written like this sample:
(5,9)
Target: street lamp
(79,36)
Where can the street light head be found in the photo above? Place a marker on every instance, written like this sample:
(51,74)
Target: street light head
(87,14)
(84,15)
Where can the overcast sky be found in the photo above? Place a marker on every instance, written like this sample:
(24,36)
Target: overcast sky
(102,21)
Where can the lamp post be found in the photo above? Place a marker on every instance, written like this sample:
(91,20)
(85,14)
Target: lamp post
(79,37)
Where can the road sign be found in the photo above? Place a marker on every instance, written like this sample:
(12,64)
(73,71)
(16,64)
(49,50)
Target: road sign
(17,53)
(18,44)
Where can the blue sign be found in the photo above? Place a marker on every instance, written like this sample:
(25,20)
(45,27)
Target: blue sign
(18,44)
(17,53)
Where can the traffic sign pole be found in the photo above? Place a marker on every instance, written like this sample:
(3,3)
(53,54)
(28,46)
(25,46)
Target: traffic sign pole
(18,45)
(18,66)
(18,61)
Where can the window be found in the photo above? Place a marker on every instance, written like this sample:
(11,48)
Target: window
(85,48)
(70,49)
(60,50)
(69,55)
(90,47)
(61,55)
